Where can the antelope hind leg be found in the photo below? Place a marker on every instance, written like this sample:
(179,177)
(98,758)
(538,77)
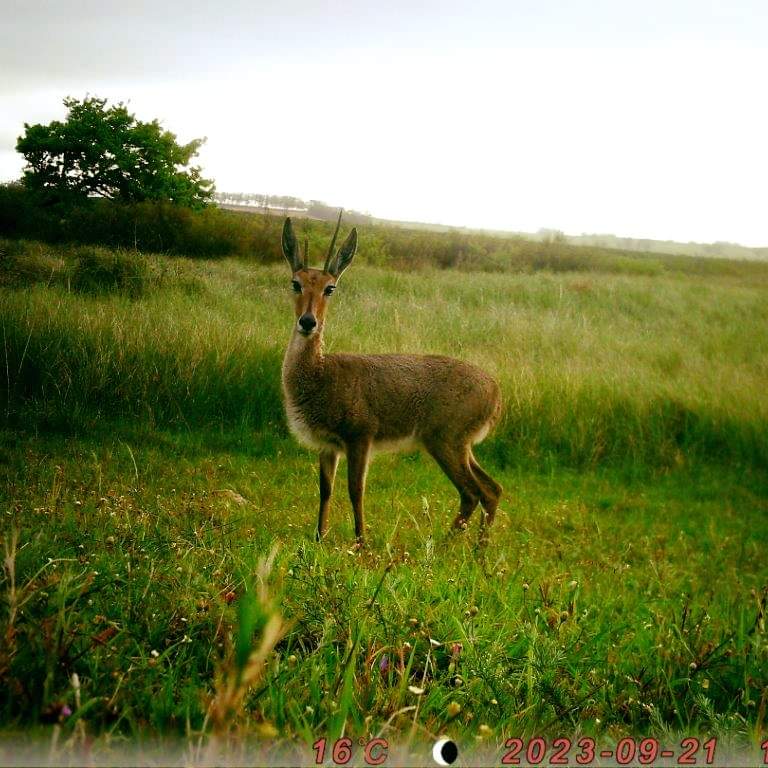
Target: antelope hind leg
(455,463)
(490,494)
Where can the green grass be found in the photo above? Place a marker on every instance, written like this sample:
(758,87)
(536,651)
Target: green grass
(147,472)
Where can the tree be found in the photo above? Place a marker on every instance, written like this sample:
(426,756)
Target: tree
(101,151)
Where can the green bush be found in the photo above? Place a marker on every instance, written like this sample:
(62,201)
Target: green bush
(13,205)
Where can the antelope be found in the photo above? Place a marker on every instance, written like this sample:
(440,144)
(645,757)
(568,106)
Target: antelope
(359,404)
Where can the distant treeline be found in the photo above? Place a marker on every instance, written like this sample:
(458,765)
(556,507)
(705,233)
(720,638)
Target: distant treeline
(314,209)
(318,210)
(721,250)
(153,227)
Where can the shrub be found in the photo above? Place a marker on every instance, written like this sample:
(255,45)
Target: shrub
(23,263)
(98,270)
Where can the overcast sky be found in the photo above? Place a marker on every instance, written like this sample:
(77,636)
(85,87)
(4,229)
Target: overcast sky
(644,119)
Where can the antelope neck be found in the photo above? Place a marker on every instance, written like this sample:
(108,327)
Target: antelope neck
(304,351)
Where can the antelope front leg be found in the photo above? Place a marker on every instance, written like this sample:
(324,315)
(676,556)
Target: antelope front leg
(358,454)
(329,460)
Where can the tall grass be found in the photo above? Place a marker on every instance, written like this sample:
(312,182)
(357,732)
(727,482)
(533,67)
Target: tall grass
(600,369)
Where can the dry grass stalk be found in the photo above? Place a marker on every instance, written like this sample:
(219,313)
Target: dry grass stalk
(234,680)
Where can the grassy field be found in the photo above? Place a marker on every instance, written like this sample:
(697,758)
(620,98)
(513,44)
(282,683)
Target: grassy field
(157,519)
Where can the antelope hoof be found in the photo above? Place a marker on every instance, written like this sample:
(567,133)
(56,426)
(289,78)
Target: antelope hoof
(460,524)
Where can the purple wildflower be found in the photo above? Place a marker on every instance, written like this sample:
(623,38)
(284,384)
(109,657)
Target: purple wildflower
(384,663)
(65,711)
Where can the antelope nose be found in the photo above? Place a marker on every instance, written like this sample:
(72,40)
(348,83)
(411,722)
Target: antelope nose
(307,323)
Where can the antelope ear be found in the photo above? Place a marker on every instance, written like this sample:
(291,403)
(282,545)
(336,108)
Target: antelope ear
(291,247)
(344,256)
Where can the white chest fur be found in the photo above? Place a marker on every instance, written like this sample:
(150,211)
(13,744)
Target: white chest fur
(295,357)
(299,427)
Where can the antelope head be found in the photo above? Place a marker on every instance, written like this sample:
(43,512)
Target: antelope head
(313,287)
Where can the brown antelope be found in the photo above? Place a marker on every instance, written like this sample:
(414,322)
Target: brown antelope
(361,403)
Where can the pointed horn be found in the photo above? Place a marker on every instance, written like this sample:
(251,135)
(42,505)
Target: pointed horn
(329,257)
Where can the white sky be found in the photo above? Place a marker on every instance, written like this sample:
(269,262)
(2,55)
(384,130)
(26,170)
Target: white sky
(645,119)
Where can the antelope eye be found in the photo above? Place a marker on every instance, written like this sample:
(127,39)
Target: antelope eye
(329,289)
(296,285)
